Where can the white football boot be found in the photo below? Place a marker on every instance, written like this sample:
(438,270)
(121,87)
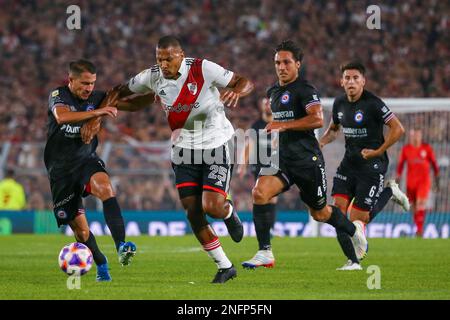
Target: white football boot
(398,196)
(349,266)
(262,258)
(359,241)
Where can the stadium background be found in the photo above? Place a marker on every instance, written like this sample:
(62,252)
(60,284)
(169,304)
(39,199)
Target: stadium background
(407,58)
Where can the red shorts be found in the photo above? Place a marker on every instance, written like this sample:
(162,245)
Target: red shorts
(418,191)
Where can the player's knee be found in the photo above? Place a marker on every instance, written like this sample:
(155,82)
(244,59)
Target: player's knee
(363,216)
(259,197)
(103,192)
(214,207)
(82,235)
(365,219)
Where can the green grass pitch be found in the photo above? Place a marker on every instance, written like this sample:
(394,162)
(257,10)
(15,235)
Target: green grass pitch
(175,268)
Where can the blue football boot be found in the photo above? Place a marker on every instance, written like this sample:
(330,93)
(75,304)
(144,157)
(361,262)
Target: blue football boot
(127,251)
(103,273)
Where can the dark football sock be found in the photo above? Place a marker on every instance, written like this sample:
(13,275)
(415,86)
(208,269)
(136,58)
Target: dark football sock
(91,243)
(264,219)
(382,200)
(114,220)
(340,222)
(347,246)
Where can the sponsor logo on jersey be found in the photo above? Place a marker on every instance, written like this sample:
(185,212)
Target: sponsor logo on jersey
(285,98)
(181,107)
(340,115)
(283,114)
(324,178)
(61,214)
(162,93)
(359,116)
(355,132)
(69,129)
(55,93)
(90,107)
(368,201)
(192,86)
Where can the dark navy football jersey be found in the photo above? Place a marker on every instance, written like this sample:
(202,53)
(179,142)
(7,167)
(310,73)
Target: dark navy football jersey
(362,123)
(262,143)
(288,103)
(64,151)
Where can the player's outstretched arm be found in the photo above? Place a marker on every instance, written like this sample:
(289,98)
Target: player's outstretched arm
(240,87)
(330,134)
(64,115)
(136,102)
(395,131)
(92,126)
(132,101)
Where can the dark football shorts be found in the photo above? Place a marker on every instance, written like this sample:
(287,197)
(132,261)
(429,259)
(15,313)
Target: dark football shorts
(202,170)
(311,181)
(68,191)
(363,186)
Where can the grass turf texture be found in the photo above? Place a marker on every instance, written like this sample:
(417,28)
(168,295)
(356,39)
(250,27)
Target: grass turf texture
(173,268)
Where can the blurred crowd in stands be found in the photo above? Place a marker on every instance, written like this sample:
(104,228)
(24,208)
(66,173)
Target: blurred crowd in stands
(408,57)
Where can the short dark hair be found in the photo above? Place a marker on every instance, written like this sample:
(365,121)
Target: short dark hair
(291,46)
(168,41)
(353,65)
(79,66)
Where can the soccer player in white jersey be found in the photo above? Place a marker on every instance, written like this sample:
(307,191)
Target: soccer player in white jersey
(188,91)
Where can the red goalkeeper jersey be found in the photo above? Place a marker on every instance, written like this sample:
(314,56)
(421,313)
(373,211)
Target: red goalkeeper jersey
(418,160)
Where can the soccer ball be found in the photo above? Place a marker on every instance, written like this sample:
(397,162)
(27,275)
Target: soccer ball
(75,259)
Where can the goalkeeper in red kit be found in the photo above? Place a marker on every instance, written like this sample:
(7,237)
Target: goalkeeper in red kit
(418,156)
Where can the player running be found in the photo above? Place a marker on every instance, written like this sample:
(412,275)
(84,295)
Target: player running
(257,146)
(188,91)
(297,111)
(75,170)
(418,156)
(360,176)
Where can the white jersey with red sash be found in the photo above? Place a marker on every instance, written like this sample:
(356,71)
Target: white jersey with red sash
(192,102)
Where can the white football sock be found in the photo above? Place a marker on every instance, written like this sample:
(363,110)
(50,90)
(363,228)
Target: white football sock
(215,251)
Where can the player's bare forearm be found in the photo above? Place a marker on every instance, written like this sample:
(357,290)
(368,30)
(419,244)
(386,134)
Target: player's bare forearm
(63,115)
(136,102)
(310,122)
(90,129)
(330,134)
(123,90)
(241,86)
(395,132)
(313,120)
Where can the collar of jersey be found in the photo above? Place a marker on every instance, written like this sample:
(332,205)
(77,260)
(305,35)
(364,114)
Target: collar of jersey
(183,68)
